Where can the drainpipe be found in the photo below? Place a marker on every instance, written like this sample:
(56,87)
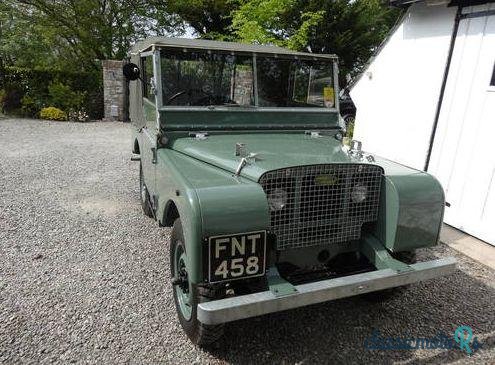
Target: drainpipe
(458,17)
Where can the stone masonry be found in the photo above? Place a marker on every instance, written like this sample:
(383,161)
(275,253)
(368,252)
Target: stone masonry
(113,90)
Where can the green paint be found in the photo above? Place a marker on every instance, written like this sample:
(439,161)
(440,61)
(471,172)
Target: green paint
(196,176)
(378,255)
(411,208)
(207,119)
(277,285)
(274,150)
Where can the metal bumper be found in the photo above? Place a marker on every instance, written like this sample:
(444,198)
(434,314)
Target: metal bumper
(246,306)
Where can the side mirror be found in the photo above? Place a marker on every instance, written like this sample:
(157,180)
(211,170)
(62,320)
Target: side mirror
(131,71)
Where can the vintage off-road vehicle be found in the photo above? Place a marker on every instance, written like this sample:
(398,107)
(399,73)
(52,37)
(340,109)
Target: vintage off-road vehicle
(241,153)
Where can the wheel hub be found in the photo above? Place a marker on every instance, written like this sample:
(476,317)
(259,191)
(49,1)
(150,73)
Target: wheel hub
(181,282)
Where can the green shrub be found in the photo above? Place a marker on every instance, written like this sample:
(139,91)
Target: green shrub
(10,99)
(30,106)
(52,113)
(3,93)
(63,97)
(85,89)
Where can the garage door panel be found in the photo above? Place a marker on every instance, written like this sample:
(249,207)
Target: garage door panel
(463,156)
(454,104)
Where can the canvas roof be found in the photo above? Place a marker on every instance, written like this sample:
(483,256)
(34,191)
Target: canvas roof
(187,43)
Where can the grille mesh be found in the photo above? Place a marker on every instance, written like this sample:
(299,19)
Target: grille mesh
(319,209)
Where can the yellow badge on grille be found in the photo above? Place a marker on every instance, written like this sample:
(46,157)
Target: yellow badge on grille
(325,180)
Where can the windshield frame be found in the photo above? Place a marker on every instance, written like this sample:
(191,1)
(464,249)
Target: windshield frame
(330,59)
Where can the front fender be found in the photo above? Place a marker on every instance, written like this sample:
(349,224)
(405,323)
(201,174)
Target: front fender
(210,202)
(233,209)
(411,208)
(174,188)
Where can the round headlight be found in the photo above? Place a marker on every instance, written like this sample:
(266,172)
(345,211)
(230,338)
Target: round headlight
(359,193)
(277,199)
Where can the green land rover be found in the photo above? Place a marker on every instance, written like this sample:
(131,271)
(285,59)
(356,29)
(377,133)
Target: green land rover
(241,153)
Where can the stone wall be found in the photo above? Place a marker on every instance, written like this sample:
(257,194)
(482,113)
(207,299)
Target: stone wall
(114,85)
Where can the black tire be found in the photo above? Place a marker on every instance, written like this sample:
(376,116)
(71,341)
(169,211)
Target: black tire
(144,195)
(200,334)
(407,257)
(348,119)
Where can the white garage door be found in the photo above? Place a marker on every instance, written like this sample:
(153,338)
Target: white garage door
(463,156)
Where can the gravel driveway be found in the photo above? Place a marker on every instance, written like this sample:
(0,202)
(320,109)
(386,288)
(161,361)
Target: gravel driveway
(84,275)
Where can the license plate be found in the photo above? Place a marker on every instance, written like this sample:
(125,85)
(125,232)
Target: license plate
(239,256)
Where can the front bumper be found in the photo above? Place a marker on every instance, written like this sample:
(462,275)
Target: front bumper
(246,306)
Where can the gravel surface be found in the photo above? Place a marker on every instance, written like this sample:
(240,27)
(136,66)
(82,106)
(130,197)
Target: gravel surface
(84,274)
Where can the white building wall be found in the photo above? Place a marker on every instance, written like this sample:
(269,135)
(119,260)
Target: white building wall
(463,157)
(396,98)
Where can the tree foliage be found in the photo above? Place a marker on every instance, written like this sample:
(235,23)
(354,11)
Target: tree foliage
(75,34)
(210,19)
(64,31)
(352,29)
(266,21)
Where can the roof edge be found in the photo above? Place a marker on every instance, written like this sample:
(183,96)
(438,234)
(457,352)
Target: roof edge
(187,43)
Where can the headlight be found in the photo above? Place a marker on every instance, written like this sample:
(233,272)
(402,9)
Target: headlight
(359,193)
(277,199)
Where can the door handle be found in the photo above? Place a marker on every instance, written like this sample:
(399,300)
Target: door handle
(153,152)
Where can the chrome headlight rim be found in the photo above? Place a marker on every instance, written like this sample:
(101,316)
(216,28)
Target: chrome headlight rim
(277,199)
(359,193)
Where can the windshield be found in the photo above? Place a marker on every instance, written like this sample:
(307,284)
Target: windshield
(294,83)
(201,78)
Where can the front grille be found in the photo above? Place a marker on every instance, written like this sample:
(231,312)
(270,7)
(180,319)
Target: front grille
(319,208)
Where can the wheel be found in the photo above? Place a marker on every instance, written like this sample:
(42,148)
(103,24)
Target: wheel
(187,296)
(407,257)
(145,196)
(348,119)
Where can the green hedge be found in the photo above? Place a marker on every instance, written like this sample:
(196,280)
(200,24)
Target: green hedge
(27,91)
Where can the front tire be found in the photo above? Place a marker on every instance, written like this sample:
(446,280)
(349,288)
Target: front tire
(188,295)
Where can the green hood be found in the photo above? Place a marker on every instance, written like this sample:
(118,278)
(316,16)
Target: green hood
(274,151)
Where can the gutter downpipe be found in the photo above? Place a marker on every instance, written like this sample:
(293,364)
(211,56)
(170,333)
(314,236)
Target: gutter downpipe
(455,30)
